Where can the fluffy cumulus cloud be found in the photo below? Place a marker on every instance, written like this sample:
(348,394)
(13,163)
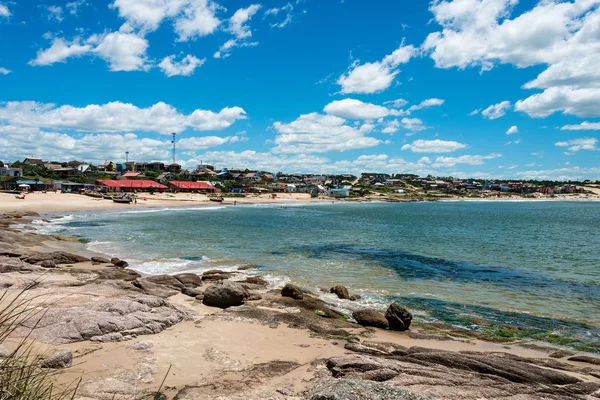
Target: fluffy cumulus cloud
(55,13)
(560,174)
(115,117)
(445,162)
(202,143)
(496,111)
(575,145)
(434,146)
(4,11)
(316,133)
(4,71)
(413,124)
(584,126)
(356,109)
(512,130)
(561,35)
(122,51)
(373,77)
(239,28)
(60,51)
(185,67)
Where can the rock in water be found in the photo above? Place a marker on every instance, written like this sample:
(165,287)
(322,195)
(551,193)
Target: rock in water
(370,318)
(292,291)
(399,318)
(341,292)
(62,359)
(225,294)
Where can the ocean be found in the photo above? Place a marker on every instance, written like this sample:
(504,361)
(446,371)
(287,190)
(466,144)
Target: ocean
(519,269)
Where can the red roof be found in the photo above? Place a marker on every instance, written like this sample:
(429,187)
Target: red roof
(131,174)
(191,185)
(128,183)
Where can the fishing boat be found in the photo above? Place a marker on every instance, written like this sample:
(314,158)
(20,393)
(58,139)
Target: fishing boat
(218,199)
(124,199)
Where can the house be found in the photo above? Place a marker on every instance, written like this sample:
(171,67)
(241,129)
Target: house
(107,166)
(53,166)
(339,192)
(291,188)
(11,172)
(156,166)
(225,175)
(196,187)
(129,175)
(33,161)
(140,167)
(130,166)
(83,168)
(165,177)
(174,168)
(205,166)
(66,172)
(126,185)
(547,190)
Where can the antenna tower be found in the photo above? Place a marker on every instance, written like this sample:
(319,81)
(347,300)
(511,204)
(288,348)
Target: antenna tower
(174,148)
(126,156)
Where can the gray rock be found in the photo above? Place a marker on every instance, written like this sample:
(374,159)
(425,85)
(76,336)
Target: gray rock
(48,264)
(399,318)
(359,390)
(121,264)
(12,264)
(585,359)
(154,289)
(246,267)
(292,291)
(192,292)
(216,277)
(341,292)
(189,280)
(370,318)
(62,359)
(101,260)
(166,280)
(355,297)
(225,294)
(62,257)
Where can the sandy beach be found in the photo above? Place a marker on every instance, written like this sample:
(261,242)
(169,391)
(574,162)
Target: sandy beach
(126,333)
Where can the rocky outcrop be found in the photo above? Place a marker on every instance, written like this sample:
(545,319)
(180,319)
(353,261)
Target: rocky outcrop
(216,275)
(349,389)
(48,264)
(370,318)
(585,359)
(101,260)
(154,289)
(341,292)
(58,257)
(13,264)
(192,292)
(399,318)
(225,294)
(292,291)
(60,360)
(166,280)
(189,280)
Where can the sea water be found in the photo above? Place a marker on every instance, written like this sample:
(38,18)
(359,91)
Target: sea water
(522,268)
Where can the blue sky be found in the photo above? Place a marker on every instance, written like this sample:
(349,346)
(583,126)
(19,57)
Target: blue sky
(489,88)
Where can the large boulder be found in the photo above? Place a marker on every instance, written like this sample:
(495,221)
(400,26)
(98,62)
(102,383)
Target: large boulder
(48,264)
(12,264)
(62,257)
(292,291)
(62,359)
(370,318)
(154,289)
(399,318)
(166,280)
(225,294)
(341,292)
(189,280)
(101,260)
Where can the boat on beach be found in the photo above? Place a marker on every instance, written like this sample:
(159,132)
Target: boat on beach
(123,200)
(218,199)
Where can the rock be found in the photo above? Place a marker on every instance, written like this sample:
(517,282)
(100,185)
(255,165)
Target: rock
(159,396)
(121,264)
(561,354)
(341,292)
(115,274)
(192,292)
(154,289)
(62,257)
(246,267)
(62,359)
(36,257)
(114,260)
(216,275)
(585,359)
(214,272)
(12,264)
(166,280)
(200,297)
(189,280)
(101,260)
(225,294)
(370,318)
(399,318)
(48,264)
(254,297)
(292,291)
(354,297)
(256,280)
(348,389)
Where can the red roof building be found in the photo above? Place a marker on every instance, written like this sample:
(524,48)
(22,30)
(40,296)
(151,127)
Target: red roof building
(129,185)
(199,187)
(131,174)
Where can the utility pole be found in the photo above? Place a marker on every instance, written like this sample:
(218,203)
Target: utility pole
(126,156)
(174,149)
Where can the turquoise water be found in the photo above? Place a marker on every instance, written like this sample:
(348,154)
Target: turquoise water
(528,264)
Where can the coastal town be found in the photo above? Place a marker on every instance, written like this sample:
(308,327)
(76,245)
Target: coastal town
(33,175)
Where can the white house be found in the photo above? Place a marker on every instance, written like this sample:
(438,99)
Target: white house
(337,192)
(11,172)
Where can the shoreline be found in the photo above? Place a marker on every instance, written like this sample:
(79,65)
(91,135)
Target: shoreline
(270,347)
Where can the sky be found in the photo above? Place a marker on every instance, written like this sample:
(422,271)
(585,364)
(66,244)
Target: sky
(463,88)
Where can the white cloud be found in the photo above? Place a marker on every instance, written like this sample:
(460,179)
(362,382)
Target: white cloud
(59,51)
(55,12)
(356,109)
(202,143)
(427,103)
(316,133)
(4,71)
(376,76)
(225,49)
(73,6)
(446,162)
(561,174)
(199,19)
(398,103)
(512,130)
(413,124)
(115,117)
(584,126)
(288,9)
(391,126)
(185,67)
(147,15)
(474,112)
(557,34)
(434,146)
(579,144)
(4,11)
(123,51)
(569,100)
(496,111)
(238,21)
